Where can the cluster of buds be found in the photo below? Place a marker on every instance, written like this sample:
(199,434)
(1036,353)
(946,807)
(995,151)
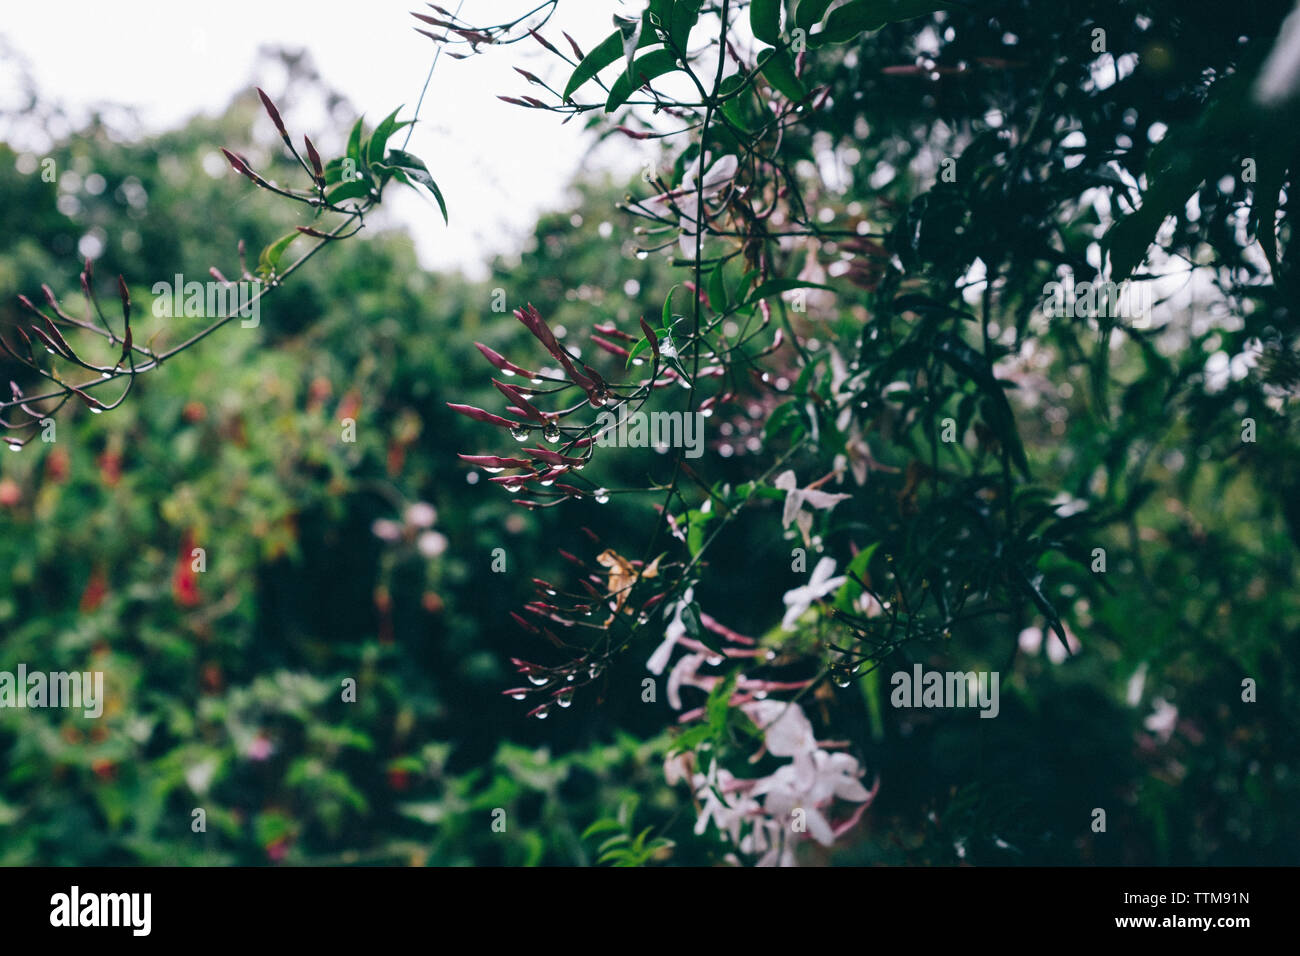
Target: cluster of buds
(610,600)
(47,334)
(543,468)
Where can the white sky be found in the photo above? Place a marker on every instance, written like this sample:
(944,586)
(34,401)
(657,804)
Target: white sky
(498,165)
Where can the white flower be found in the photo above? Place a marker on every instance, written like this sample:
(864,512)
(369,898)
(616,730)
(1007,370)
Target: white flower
(1163,720)
(786,730)
(801,599)
(727,808)
(1279,79)
(684,674)
(421,515)
(796,498)
(1056,652)
(1133,694)
(676,629)
(1031,640)
(810,783)
(686,198)
(431,544)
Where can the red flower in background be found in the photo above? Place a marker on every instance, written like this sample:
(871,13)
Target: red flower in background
(185,580)
(96,591)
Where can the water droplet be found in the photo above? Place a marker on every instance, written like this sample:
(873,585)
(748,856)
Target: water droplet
(538,679)
(547,482)
(598,397)
(551,432)
(492,471)
(506,371)
(15,447)
(543,713)
(760,695)
(569,677)
(519,696)
(565,700)
(513,487)
(579,466)
(96,411)
(841,677)
(714,660)
(594,671)
(519,434)
(642,254)
(771,655)
(601,495)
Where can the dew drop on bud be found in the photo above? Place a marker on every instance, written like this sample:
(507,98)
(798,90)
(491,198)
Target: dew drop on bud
(598,397)
(520,696)
(714,660)
(642,254)
(551,432)
(565,700)
(519,434)
(543,713)
(537,679)
(601,495)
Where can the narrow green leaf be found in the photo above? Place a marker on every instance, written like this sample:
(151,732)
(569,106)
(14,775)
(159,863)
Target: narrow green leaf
(654,64)
(386,128)
(609,50)
(354,144)
(415,169)
(270,258)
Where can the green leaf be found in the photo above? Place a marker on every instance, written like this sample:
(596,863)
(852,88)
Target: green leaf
(354,150)
(609,50)
(668,308)
(631,31)
(859,16)
(654,64)
(353,189)
(779,70)
(691,739)
(270,258)
(851,590)
(971,364)
(809,13)
(765,21)
(386,128)
(415,169)
(601,826)
(717,290)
